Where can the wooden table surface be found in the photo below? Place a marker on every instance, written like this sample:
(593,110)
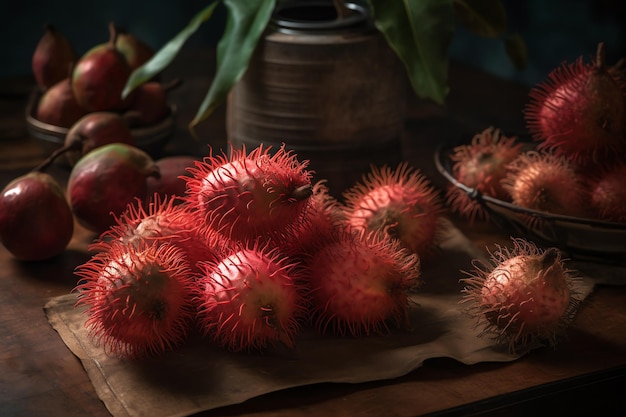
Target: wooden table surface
(39,376)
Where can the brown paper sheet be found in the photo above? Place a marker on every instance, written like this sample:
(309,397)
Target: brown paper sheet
(199,376)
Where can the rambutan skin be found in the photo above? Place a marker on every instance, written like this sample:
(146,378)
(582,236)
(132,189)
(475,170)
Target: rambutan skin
(164,220)
(546,182)
(360,283)
(607,194)
(251,300)
(245,196)
(523,298)
(400,202)
(579,111)
(137,298)
(481,165)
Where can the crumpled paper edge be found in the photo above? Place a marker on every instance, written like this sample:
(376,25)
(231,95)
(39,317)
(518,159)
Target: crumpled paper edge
(198,376)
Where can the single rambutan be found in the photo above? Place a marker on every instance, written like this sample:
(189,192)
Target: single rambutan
(165,220)
(481,165)
(579,111)
(607,198)
(250,300)
(545,182)
(524,297)
(359,283)
(401,203)
(245,196)
(318,222)
(138,298)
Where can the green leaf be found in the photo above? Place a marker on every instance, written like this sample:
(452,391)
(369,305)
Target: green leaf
(482,17)
(420,32)
(163,57)
(245,23)
(516,50)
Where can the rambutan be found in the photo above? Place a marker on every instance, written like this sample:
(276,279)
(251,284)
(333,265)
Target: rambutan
(250,299)
(359,283)
(401,203)
(525,297)
(579,111)
(607,198)
(481,165)
(164,220)
(545,182)
(246,196)
(138,298)
(319,221)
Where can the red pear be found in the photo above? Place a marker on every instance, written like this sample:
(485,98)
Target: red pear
(149,103)
(105,181)
(36,222)
(136,51)
(100,75)
(52,58)
(170,184)
(58,106)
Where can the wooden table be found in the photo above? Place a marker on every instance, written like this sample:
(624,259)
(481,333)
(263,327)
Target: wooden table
(39,376)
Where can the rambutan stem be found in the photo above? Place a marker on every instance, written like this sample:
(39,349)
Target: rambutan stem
(600,56)
(549,257)
(303,192)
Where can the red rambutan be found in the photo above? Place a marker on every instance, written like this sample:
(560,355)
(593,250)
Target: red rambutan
(545,182)
(401,203)
(524,298)
(608,194)
(481,165)
(247,196)
(250,299)
(138,298)
(359,283)
(579,111)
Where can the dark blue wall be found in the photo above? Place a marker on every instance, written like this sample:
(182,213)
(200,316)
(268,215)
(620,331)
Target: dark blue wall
(555,30)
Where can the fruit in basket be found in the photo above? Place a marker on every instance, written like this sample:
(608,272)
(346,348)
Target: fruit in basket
(149,102)
(100,75)
(36,222)
(359,283)
(105,181)
(546,182)
(524,297)
(245,196)
(137,298)
(52,58)
(58,106)
(135,50)
(401,203)
(580,111)
(608,194)
(250,300)
(481,165)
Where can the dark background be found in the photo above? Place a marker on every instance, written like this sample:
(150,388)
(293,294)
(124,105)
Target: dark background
(554,30)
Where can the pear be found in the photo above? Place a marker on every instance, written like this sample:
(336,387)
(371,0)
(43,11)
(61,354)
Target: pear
(58,106)
(52,58)
(135,50)
(105,181)
(36,222)
(149,103)
(100,75)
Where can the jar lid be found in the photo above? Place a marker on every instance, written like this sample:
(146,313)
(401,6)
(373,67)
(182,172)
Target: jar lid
(313,16)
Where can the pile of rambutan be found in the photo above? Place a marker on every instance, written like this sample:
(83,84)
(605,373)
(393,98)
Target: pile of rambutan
(577,117)
(254,252)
